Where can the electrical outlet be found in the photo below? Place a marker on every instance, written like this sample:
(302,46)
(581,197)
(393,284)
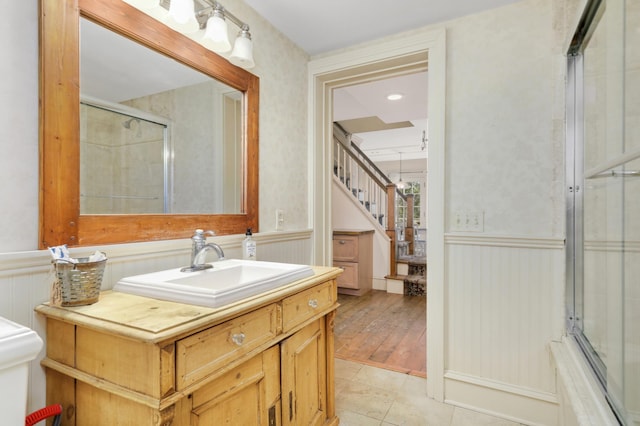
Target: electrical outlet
(279,220)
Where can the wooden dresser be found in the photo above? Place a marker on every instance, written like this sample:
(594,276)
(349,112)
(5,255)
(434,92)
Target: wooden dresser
(353,253)
(131,360)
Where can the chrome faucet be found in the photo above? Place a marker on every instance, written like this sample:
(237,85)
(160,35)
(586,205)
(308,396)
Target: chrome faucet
(199,251)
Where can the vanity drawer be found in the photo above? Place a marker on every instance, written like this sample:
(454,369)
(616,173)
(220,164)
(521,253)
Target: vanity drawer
(203,353)
(345,248)
(349,276)
(300,307)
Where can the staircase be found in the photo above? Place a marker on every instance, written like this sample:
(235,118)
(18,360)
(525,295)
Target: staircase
(361,176)
(378,195)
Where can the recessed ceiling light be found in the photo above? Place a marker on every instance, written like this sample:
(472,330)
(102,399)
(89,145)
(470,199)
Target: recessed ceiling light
(394,96)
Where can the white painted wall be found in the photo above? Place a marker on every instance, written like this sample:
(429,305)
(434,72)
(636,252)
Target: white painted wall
(19,127)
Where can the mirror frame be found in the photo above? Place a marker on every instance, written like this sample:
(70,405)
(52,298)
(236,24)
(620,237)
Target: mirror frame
(60,219)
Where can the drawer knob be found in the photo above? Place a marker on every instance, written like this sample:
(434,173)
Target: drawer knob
(238,338)
(313,303)
(342,242)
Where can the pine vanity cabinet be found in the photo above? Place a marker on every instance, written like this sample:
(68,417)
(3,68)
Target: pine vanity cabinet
(130,360)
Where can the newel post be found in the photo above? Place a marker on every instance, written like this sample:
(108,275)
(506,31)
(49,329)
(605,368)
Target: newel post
(391,227)
(408,229)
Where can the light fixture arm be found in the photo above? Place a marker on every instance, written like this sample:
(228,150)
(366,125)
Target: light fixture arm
(210,16)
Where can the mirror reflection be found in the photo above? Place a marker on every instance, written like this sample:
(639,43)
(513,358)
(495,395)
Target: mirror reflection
(156,136)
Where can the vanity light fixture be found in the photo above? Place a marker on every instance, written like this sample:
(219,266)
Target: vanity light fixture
(182,16)
(204,21)
(216,37)
(242,54)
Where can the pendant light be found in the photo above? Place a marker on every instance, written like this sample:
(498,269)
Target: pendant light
(401,184)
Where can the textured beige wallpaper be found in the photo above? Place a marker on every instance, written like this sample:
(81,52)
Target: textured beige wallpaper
(282,68)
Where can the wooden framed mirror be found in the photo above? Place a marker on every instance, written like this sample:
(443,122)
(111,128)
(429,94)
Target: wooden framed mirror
(61,221)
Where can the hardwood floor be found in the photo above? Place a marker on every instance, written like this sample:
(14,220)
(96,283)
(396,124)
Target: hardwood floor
(383,330)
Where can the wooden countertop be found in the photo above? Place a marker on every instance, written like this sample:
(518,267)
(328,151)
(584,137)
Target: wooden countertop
(352,231)
(154,320)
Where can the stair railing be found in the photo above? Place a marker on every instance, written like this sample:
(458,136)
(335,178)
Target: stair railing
(365,186)
(373,189)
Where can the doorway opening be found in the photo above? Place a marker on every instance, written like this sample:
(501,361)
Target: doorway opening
(380,124)
(403,56)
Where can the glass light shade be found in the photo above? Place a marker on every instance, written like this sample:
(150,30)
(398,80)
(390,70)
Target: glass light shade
(143,4)
(182,16)
(242,54)
(215,36)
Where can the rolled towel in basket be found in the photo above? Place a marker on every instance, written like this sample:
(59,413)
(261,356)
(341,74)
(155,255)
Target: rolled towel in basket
(61,253)
(97,257)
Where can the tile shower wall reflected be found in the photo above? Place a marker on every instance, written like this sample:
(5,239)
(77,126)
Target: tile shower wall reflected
(123,163)
(158,153)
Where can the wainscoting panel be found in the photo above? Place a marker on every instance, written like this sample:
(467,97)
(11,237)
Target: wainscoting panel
(26,277)
(504,304)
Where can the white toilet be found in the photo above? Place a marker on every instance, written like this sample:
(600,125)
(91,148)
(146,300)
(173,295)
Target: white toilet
(18,346)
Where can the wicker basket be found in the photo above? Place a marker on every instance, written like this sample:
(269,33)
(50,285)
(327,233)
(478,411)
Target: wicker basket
(79,283)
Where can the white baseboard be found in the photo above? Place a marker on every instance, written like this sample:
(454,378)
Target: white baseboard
(395,286)
(380,284)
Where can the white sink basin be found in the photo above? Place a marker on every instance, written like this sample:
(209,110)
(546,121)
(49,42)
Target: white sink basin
(228,281)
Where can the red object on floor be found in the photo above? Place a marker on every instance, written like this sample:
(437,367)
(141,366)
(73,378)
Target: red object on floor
(44,413)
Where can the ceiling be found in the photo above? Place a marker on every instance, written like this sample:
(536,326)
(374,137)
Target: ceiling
(322,26)
(354,106)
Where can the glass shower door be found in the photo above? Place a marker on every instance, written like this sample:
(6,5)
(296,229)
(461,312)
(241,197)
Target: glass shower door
(606,128)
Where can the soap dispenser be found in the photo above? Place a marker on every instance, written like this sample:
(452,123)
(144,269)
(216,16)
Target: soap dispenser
(248,246)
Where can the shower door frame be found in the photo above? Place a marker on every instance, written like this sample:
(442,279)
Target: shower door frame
(576,178)
(167,153)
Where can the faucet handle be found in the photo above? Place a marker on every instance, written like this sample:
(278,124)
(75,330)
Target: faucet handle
(203,234)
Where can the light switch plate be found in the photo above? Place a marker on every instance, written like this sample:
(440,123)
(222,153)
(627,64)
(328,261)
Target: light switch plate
(468,221)
(279,220)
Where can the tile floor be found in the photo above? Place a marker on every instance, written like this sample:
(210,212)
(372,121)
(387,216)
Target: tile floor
(368,395)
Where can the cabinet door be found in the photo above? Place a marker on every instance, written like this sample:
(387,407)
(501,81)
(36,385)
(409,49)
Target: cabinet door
(247,395)
(304,376)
